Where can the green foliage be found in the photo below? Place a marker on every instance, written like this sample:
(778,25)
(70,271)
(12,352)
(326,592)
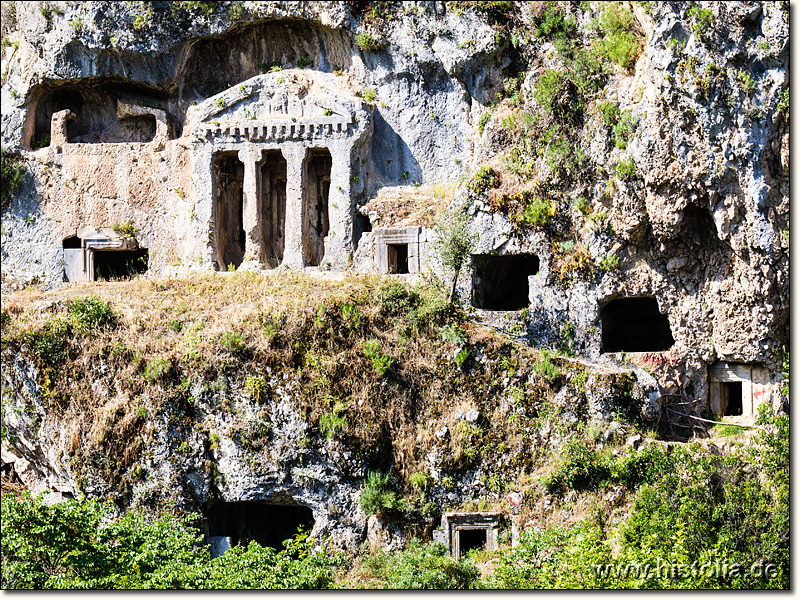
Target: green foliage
(421,480)
(380,361)
(783,101)
(544,367)
(91,314)
(421,567)
(581,467)
(702,19)
(625,168)
(624,129)
(49,342)
(156,369)
(125,229)
(369,95)
(748,85)
(81,545)
(335,422)
(256,387)
(610,112)
(233,341)
(366,42)
(621,41)
(377,497)
(454,242)
(483,120)
(537,212)
(12,172)
(609,262)
(485,178)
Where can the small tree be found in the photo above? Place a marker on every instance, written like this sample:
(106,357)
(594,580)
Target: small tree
(454,242)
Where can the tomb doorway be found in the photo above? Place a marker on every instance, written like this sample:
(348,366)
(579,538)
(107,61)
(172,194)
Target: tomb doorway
(228,186)
(634,325)
(273,206)
(316,223)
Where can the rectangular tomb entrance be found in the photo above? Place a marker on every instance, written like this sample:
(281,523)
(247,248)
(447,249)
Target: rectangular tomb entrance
(634,324)
(501,282)
(228,184)
(731,389)
(273,206)
(100,253)
(401,250)
(316,223)
(462,532)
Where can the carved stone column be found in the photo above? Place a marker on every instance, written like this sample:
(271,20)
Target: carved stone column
(295,155)
(250,210)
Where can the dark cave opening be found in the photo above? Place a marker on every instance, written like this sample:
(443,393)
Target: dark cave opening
(634,325)
(266,524)
(501,282)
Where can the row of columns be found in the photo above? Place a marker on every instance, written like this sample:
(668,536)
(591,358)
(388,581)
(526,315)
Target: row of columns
(295,227)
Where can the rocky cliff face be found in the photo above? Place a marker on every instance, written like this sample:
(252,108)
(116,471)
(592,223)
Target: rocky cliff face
(635,151)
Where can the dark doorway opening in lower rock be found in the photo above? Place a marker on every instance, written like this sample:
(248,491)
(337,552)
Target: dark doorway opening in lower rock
(634,325)
(267,524)
(501,282)
(731,393)
(119,264)
(471,539)
(398,258)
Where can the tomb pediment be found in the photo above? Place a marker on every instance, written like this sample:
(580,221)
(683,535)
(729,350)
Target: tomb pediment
(275,107)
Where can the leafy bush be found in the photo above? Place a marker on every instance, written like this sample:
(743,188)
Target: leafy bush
(80,545)
(610,112)
(483,120)
(581,467)
(366,42)
(12,172)
(537,212)
(624,129)
(50,341)
(621,41)
(421,567)
(233,341)
(377,497)
(156,368)
(608,262)
(256,387)
(126,228)
(333,423)
(380,361)
(626,168)
(369,95)
(783,101)
(91,313)
(454,242)
(544,367)
(484,179)
(702,18)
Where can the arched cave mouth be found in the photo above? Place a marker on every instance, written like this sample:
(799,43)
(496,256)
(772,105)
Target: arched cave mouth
(267,524)
(634,325)
(501,282)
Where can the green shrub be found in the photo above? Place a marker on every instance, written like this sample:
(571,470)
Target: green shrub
(335,422)
(783,101)
(366,42)
(380,362)
(156,369)
(624,129)
(610,112)
(537,212)
(125,229)
(608,262)
(12,172)
(369,95)
(50,341)
(621,41)
(91,313)
(483,120)
(421,567)
(484,179)
(454,242)
(256,387)
(421,480)
(233,341)
(377,497)
(702,19)
(544,366)
(625,169)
